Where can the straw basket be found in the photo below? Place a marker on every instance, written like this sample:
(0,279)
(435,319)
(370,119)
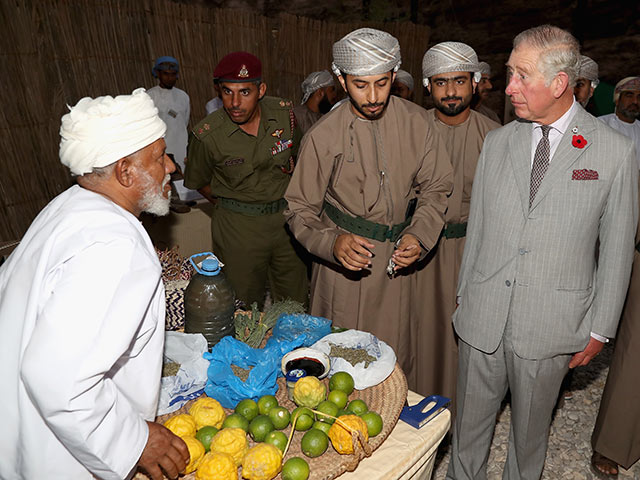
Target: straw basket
(176,273)
(386,398)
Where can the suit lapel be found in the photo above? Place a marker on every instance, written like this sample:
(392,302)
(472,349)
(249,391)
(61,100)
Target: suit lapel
(566,154)
(520,148)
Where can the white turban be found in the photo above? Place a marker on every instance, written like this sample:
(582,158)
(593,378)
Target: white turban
(449,57)
(405,77)
(366,51)
(589,70)
(98,132)
(627,84)
(485,68)
(315,81)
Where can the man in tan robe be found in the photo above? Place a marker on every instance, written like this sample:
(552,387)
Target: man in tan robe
(350,197)
(318,96)
(483,91)
(450,73)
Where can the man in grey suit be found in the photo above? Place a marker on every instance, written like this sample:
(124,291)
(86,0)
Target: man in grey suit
(550,189)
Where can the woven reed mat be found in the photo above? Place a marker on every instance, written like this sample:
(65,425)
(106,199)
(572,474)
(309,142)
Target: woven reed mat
(386,398)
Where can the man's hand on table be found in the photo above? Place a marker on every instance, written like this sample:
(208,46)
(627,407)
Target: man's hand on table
(352,251)
(407,252)
(164,451)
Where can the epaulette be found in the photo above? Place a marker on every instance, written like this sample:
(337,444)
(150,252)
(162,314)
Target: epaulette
(278,103)
(208,124)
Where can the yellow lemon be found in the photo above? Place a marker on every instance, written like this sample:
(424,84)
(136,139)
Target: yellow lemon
(262,462)
(182,425)
(217,466)
(341,437)
(309,392)
(196,452)
(207,411)
(232,441)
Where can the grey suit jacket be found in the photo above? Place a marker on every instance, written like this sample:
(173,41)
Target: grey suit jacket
(538,266)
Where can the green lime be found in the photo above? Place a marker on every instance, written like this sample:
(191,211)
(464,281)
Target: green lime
(329,408)
(314,443)
(235,420)
(205,435)
(277,439)
(280,417)
(260,427)
(324,426)
(357,407)
(342,381)
(295,468)
(338,397)
(305,418)
(266,403)
(247,408)
(373,421)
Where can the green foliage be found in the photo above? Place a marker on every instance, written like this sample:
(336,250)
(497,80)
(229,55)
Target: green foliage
(252,327)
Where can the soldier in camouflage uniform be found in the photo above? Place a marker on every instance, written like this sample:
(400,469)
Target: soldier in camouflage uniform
(241,158)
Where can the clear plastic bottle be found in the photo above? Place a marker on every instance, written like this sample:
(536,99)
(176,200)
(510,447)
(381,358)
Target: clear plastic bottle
(209,301)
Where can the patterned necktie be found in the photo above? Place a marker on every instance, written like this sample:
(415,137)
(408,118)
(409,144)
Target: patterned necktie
(540,162)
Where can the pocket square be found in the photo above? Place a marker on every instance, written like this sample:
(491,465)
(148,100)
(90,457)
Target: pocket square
(584,174)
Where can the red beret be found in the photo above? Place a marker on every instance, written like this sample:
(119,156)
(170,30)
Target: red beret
(238,67)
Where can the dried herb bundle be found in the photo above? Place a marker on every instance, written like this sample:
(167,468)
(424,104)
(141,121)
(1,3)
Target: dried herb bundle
(170,369)
(353,355)
(251,327)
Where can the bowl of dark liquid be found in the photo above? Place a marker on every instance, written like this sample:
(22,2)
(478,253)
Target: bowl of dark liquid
(313,362)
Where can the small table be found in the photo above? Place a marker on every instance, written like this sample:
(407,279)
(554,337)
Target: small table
(407,453)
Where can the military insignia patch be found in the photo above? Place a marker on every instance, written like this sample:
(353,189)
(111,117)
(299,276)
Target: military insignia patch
(281,146)
(278,133)
(282,103)
(206,126)
(233,161)
(243,73)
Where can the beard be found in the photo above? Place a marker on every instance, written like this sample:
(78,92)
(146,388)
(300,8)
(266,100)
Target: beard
(451,110)
(361,108)
(153,200)
(631,111)
(324,106)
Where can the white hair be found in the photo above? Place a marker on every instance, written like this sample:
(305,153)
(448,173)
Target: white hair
(559,51)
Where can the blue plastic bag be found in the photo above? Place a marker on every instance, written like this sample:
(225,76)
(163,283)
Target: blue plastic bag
(289,327)
(226,387)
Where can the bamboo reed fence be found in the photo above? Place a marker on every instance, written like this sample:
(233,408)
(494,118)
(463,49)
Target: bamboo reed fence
(54,52)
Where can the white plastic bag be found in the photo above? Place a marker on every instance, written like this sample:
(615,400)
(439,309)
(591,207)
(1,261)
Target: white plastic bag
(185,349)
(376,372)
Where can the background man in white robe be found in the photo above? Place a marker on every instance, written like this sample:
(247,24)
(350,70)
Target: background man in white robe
(626,96)
(82,309)
(174,108)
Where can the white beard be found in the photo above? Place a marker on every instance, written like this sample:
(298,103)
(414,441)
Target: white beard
(153,200)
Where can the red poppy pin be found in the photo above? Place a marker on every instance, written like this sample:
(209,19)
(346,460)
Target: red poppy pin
(578,141)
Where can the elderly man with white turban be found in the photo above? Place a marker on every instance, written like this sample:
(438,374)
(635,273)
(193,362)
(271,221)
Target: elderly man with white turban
(352,200)
(482,93)
(587,80)
(82,308)
(626,96)
(450,73)
(318,96)
(403,85)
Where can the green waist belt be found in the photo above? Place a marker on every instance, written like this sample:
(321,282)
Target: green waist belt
(253,209)
(455,230)
(365,228)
